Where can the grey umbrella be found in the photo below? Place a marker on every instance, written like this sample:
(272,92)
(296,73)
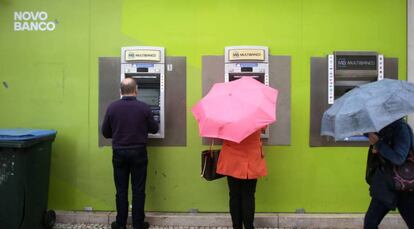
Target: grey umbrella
(368,108)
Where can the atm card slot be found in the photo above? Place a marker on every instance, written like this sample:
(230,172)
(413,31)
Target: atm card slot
(350,83)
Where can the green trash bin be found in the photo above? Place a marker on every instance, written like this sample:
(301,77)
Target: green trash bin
(24,178)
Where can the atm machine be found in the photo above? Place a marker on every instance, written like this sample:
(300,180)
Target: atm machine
(251,61)
(146,65)
(349,69)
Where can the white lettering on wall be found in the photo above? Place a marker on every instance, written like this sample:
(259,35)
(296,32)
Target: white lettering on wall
(33,21)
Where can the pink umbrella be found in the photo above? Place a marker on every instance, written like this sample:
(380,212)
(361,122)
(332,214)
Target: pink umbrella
(236,109)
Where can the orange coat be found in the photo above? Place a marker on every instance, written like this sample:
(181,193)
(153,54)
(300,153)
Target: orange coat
(242,160)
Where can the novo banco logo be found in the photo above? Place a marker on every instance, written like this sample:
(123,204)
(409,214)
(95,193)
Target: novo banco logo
(33,21)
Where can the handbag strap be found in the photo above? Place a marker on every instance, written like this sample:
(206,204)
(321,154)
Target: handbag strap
(262,153)
(211,147)
(205,161)
(204,169)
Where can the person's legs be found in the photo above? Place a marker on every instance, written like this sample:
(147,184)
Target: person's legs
(235,201)
(138,162)
(248,202)
(121,178)
(376,212)
(405,205)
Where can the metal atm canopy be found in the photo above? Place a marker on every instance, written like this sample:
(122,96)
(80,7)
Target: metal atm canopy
(146,64)
(348,69)
(335,74)
(252,61)
(246,61)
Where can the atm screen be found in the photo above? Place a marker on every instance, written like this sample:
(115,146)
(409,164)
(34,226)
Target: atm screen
(149,96)
(148,88)
(341,90)
(343,86)
(257,76)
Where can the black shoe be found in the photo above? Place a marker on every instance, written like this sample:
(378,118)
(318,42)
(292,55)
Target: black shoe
(114,225)
(145,225)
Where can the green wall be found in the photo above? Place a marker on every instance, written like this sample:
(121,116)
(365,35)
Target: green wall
(52,82)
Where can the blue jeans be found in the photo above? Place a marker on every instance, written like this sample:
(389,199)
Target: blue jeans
(126,162)
(377,211)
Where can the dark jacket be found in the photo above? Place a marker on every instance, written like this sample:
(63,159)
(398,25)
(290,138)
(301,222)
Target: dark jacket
(395,142)
(128,122)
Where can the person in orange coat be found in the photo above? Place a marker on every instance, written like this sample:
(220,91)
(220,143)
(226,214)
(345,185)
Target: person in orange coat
(242,163)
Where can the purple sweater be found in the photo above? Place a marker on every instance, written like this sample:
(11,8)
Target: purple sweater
(128,121)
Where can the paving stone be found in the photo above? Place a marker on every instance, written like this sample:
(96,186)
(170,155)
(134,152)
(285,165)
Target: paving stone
(102,220)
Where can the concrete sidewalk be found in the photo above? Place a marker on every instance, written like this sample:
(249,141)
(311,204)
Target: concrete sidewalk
(102,226)
(157,220)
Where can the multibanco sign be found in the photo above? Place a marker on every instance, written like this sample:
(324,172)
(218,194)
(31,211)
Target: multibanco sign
(33,21)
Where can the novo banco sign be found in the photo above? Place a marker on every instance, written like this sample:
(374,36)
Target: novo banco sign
(33,21)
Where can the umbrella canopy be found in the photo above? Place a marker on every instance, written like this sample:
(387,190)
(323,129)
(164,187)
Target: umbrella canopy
(235,109)
(368,108)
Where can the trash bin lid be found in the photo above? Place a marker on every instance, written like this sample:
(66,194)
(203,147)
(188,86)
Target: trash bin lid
(9,137)
(24,134)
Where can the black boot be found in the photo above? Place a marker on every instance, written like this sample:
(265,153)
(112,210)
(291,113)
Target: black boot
(145,225)
(114,225)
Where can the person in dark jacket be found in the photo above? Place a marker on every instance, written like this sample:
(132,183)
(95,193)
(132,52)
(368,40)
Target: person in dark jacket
(128,122)
(393,144)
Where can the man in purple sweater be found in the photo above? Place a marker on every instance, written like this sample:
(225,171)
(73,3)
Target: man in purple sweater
(128,122)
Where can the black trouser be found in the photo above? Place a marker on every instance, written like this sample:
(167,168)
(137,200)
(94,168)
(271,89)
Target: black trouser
(377,211)
(242,203)
(126,162)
